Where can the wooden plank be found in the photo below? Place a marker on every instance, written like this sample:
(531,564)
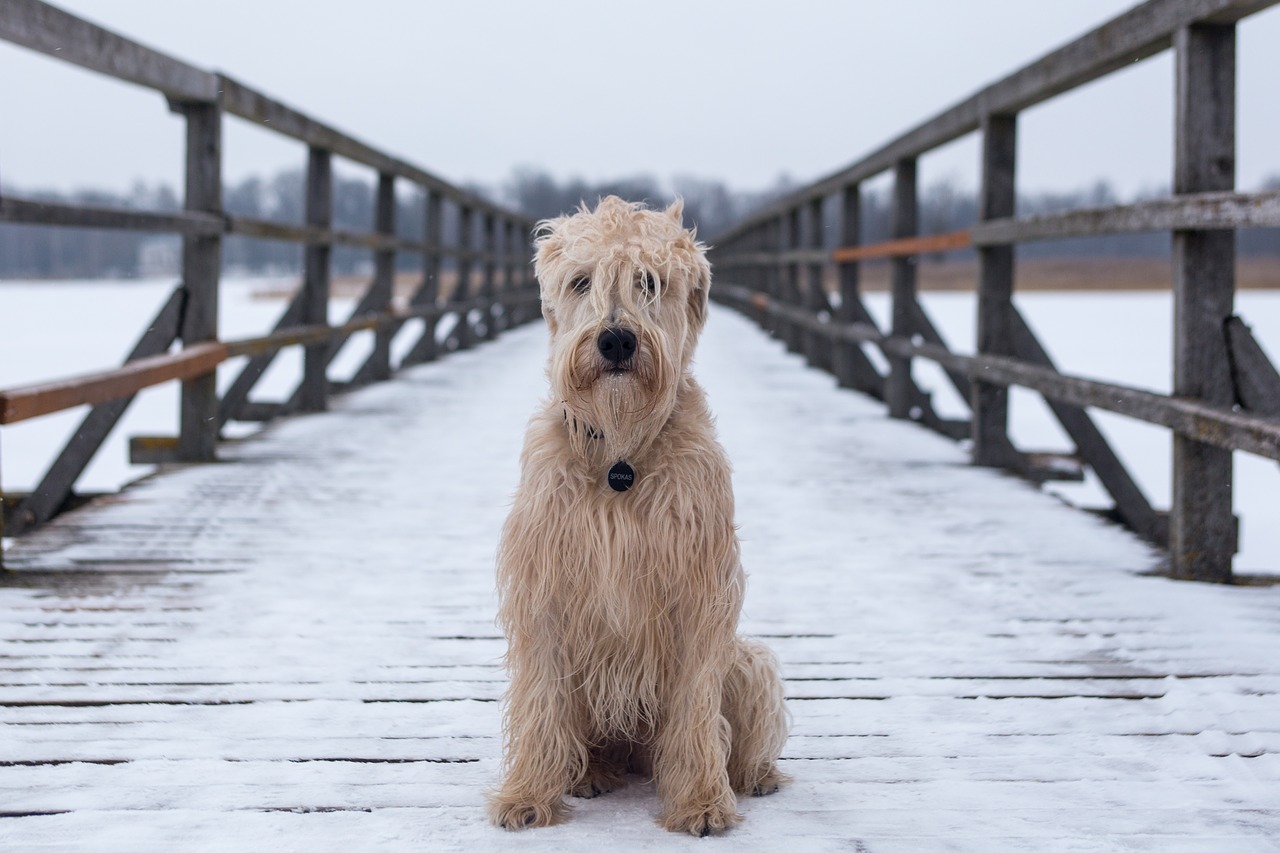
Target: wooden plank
(1253,375)
(904,247)
(904,224)
(996,199)
(316,272)
(90,389)
(1200,211)
(201,270)
(24,211)
(1202,535)
(56,485)
(49,30)
(1143,31)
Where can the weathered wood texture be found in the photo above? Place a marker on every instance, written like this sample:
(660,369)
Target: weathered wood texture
(1203,215)
(201,270)
(996,199)
(1202,534)
(203,99)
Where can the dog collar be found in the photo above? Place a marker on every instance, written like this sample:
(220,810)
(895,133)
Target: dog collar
(573,426)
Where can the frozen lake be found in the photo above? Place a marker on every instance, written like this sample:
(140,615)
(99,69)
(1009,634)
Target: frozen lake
(54,329)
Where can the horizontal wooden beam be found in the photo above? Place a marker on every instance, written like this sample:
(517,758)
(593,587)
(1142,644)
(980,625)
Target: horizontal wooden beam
(905,247)
(1199,211)
(49,30)
(1212,425)
(247,103)
(20,404)
(1141,32)
(26,211)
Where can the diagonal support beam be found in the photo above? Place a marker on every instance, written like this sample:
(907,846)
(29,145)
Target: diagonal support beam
(55,488)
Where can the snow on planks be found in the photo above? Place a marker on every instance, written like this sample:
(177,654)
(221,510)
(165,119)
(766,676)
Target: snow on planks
(294,648)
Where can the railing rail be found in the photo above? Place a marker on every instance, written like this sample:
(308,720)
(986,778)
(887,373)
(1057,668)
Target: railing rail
(491,250)
(1226,394)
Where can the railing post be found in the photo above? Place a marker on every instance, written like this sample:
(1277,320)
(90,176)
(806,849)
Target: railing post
(462,292)
(844,360)
(511,316)
(384,274)
(996,200)
(489,279)
(1202,532)
(201,268)
(315,278)
(794,272)
(818,346)
(905,222)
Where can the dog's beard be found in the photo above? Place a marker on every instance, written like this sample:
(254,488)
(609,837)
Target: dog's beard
(614,411)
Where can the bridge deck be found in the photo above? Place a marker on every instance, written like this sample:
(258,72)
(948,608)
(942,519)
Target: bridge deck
(295,649)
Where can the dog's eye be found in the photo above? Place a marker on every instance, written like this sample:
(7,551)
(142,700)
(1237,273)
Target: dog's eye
(647,283)
(581,284)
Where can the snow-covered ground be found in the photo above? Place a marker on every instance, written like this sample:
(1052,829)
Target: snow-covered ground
(294,649)
(50,330)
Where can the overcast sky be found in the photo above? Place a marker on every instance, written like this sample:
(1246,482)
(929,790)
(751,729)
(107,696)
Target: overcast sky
(741,91)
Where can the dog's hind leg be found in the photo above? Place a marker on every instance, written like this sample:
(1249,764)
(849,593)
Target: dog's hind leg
(753,704)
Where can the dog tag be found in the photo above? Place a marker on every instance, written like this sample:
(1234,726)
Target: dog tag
(621,477)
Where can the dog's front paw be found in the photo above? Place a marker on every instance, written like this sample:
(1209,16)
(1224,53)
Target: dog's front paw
(703,821)
(513,814)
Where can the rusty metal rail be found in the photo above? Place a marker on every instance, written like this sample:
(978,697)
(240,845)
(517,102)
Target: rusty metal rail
(775,266)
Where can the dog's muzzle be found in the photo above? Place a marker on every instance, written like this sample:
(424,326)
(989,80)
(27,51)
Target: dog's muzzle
(617,346)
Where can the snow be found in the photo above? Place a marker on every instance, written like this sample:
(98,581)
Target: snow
(294,649)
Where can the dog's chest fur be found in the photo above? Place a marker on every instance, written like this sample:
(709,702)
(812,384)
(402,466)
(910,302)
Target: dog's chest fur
(623,578)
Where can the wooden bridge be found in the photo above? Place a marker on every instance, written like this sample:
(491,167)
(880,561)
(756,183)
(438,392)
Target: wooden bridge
(288,641)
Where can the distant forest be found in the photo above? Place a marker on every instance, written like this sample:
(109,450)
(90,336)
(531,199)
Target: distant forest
(712,206)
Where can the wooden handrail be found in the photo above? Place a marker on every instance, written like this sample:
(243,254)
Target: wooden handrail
(905,247)
(20,404)
(31,401)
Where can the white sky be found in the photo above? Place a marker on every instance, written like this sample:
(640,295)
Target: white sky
(740,91)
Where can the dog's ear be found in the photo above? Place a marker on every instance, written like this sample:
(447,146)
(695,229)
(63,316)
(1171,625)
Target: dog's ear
(699,289)
(548,246)
(676,211)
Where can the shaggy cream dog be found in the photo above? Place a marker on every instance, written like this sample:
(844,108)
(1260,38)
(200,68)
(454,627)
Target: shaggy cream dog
(618,570)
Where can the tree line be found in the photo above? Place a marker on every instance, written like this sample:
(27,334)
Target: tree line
(710,205)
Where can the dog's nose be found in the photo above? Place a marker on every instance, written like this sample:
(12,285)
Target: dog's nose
(616,345)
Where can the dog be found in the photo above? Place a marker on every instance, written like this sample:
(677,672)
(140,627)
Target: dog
(618,572)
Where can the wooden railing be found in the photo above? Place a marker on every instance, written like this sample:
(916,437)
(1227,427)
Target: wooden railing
(1226,393)
(490,255)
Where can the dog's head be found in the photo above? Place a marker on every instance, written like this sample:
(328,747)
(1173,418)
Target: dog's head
(624,294)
